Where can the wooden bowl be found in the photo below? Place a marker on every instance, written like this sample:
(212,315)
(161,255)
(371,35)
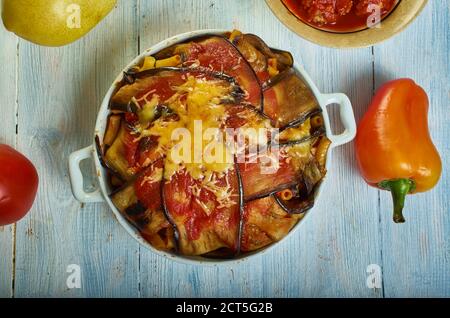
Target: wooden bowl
(405,12)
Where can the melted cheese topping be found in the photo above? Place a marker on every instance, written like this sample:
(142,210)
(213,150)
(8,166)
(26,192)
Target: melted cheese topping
(197,102)
(155,176)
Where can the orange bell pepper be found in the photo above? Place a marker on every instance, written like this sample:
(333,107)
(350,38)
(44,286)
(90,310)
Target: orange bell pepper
(394,149)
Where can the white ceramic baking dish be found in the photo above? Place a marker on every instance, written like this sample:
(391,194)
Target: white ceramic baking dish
(101,193)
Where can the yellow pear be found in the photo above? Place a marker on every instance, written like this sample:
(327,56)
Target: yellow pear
(53,22)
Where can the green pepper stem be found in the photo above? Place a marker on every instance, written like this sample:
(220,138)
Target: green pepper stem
(399,188)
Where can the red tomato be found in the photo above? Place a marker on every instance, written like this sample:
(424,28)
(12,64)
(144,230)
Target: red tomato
(18,185)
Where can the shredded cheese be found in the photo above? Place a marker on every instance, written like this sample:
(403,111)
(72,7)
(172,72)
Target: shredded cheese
(155,176)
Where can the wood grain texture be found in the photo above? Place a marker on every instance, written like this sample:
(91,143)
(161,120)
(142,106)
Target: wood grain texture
(416,254)
(329,254)
(60,90)
(8,52)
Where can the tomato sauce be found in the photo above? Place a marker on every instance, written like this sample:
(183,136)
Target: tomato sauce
(148,186)
(338,15)
(187,209)
(220,55)
(162,86)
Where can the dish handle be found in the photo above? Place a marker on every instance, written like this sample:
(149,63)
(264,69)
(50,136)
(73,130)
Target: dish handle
(76,177)
(347,118)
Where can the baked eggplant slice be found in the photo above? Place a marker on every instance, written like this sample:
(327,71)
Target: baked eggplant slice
(294,136)
(162,83)
(269,173)
(115,177)
(289,101)
(265,222)
(206,212)
(236,93)
(138,202)
(220,55)
(257,59)
(289,161)
(300,198)
(271,82)
(112,129)
(283,57)
(245,116)
(116,155)
(297,203)
(266,62)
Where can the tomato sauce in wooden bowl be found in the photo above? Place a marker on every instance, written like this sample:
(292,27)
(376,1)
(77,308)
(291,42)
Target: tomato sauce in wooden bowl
(341,16)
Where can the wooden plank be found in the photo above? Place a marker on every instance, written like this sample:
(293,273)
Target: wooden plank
(60,90)
(329,254)
(7,136)
(417,254)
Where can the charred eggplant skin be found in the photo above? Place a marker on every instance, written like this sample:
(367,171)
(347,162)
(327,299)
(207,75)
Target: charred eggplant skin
(277,79)
(241,209)
(302,119)
(303,207)
(101,158)
(176,232)
(135,209)
(283,56)
(130,107)
(315,134)
(132,76)
(305,190)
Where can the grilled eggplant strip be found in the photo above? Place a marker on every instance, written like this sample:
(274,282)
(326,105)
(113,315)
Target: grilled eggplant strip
(257,60)
(237,91)
(316,134)
(103,161)
(283,57)
(289,101)
(322,150)
(238,67)
(132,180)
(150,223)
(283,178)
(312,175)
(180,48)
(114,157)
(141,82)
(265,222)
(241,209)
(148,217)
(296,205)
(246,78)
(205,211)
(129,107)
(311,113)
(112,129)
(136,86)
(257,182)
(270,192)
(277,79)
(176,232)
(305,190)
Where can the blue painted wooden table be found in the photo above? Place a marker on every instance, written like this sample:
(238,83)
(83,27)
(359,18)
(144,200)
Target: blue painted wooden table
(49,101)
